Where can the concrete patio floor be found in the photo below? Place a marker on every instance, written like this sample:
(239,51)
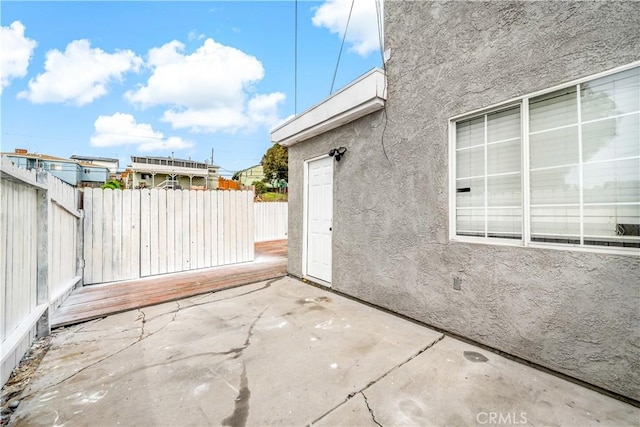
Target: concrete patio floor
(285,353)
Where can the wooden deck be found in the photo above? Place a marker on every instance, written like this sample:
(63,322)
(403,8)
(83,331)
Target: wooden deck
(94,301)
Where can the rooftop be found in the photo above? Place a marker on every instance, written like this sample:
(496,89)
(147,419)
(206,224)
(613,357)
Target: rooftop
(361,97)
(99,159)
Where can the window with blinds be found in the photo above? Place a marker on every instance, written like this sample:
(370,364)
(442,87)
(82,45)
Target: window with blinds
(488,184)
(582,167)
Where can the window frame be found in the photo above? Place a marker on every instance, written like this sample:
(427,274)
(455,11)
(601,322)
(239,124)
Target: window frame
(525,241)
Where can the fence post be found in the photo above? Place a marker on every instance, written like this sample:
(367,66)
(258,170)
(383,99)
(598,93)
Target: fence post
(80,243)
(43,327)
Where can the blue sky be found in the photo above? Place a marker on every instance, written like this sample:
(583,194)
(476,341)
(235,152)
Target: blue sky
(115,79)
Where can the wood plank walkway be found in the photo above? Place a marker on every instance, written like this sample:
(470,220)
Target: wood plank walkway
(94,301)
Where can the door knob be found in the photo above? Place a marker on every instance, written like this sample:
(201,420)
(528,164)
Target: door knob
(330,228)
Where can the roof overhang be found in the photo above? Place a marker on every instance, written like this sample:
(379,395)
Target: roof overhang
(361,97)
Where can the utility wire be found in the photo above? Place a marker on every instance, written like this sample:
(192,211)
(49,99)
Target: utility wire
(295,62)
(380,17)
(344,36)
(380,23)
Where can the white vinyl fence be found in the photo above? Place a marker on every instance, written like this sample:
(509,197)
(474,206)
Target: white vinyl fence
(39,249)
(271,221)
(136,233)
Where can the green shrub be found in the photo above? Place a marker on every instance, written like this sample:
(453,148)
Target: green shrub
(112,184)
(259,186)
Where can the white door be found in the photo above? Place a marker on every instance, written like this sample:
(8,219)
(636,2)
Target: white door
(319,218)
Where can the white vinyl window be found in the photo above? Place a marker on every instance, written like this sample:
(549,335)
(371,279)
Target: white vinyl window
(488,175)
(561,168)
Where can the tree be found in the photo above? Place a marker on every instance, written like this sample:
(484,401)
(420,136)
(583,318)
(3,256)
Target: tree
(275,163)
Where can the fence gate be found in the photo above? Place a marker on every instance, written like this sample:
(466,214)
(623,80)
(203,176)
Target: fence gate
(136,233)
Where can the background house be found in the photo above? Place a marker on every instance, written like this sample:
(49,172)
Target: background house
(248,176)
(169,172)
(93,175)
(418,216)
(72,171)
(111,164)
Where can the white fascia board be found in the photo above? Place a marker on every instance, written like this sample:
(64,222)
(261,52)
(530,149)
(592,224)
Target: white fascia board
(363,96)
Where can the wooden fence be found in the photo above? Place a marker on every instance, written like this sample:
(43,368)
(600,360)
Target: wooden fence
(136,233)
(227,184)
(271,219)
(39,250)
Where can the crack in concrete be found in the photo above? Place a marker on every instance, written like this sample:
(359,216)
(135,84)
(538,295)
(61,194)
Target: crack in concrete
(373,417)
(173,318)
(399,365)
(267,285)
(238,350)
(141,337)
(144,320)
(241,407)
(88,366)
(175,313)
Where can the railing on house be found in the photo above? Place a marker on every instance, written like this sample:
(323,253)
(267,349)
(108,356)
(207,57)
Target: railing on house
(40,227)
(271,219)
(136,233)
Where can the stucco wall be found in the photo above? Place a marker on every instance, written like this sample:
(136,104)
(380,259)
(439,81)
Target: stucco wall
(574,312)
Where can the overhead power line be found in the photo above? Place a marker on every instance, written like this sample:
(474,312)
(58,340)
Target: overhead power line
(295,62)
(344,36)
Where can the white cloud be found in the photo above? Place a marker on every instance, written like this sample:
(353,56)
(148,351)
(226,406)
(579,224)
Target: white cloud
(80,74)
(15,53)
(262,110)
(209,90)
(362,33)
(193,35)
(122,129)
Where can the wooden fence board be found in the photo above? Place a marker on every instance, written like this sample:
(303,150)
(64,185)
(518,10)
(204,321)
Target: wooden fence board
(97,236)
(136,239)
(250,230)
(186,237)
(125,264)
(107,235)
(87,225)
(154,228)
(220,196)
(213,219)
(170,231)
(116,254)
(145,233)
(179,255)
(227,227)
(162,232)
(233,226)
(200,229)
(206,209)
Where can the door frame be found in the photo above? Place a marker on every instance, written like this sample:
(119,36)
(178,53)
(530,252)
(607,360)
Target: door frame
(305,220)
